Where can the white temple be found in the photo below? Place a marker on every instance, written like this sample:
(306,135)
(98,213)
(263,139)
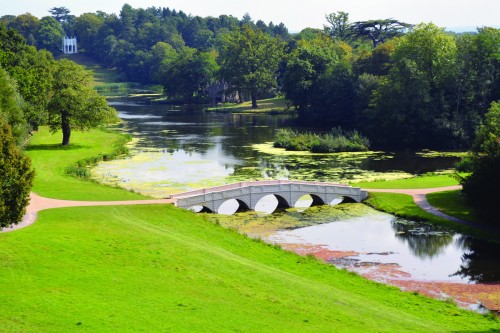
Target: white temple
(69,45)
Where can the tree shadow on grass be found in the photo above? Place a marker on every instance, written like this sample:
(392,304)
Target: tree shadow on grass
(55,146)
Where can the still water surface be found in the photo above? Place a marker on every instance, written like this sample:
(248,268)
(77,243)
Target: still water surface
(179,150)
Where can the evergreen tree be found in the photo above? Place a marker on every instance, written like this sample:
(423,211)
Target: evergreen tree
(16,180)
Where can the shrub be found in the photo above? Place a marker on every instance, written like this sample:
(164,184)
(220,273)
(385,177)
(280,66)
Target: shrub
(16,179)
(465,164)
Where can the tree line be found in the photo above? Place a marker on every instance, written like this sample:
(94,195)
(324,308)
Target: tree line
(401,85)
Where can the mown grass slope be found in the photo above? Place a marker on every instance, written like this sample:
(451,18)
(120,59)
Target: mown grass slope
(161,269)
(51,160)
(424,181)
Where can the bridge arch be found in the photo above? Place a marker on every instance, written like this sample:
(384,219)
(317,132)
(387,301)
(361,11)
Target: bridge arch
(316,200)
(282,203)
(348,199)
(200,209)
(227,207)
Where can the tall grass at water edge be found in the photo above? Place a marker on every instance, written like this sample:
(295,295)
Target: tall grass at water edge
(337,140)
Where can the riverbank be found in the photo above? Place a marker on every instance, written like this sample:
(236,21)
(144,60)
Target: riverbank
(275,105)
(155,267)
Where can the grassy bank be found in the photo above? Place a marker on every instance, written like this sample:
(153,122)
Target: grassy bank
(454,204)
(157,268)
(424,181)
(271,105)
(51,162)
(402,205)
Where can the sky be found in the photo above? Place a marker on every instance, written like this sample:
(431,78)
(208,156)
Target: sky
(296,15)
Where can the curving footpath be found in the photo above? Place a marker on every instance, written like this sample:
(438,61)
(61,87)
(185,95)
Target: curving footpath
(38,203)
(419,197)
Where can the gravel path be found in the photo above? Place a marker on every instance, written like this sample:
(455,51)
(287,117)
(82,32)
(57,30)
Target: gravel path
(38,203)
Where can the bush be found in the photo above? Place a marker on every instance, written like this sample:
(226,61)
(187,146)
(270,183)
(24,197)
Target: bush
(465,164)
(16,179)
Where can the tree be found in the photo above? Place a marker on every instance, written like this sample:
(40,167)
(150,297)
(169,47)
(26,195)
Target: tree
(50,35)
(11,108)
(86,28)
(60,14)
(483,183)
(27,25)
(188,74)
(310,61)
(32,71)
(414,106)
(249,60)
(75,105)
(377,61)
(340,27)
(378,31)
(16,180)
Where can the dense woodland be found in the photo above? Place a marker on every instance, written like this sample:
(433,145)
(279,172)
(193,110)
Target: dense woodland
(401,85)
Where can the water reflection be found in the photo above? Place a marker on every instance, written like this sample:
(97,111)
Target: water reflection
(373,240)
(422,239)
(480,263)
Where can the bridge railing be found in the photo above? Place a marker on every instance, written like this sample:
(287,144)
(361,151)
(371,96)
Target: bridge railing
(252,183)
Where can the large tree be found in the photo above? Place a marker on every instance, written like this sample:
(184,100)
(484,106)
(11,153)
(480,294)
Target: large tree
(188,74)
(50,35)
(339,27)
(16,180)
(249,60)
(75,105)
(480,187)
(318,80)
(32,71)
(414,106)
(379,31)
(27,25)
(11,107)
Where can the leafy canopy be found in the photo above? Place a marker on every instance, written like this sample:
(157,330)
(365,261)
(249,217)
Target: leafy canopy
(75,105)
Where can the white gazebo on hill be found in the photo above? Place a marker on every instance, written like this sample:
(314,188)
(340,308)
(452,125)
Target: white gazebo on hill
(69,45)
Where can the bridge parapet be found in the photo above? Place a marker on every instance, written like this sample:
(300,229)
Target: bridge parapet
(249,193)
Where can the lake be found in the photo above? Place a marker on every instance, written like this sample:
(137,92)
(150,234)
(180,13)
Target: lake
(176,150)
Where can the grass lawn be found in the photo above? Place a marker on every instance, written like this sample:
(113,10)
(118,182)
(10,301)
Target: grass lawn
(50,161)
(157,268)
(424,181)
(271,105)
(102,75)
(160,269)
(454,204)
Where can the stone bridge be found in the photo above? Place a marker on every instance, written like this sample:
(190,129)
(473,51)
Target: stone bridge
(248,194)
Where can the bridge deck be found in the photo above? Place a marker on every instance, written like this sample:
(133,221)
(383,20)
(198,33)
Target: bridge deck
(251,183)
